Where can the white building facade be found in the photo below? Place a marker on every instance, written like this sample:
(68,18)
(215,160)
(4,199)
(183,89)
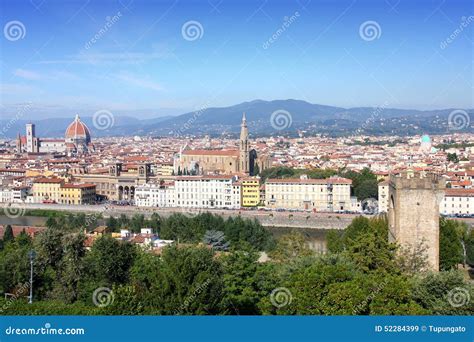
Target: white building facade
(328,195)
(6,195)
(220,192)
(155,195)
(457,202)
(20,194)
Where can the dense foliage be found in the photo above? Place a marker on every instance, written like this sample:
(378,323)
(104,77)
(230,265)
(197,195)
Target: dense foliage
(450,244)
(361,274)
(287,172)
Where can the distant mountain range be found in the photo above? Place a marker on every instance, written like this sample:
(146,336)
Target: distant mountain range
(279,117)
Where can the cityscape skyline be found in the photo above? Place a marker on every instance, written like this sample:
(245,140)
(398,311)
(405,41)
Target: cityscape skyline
(171,57)
(238,158)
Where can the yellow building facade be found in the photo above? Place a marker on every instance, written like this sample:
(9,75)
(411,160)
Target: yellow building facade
(250,192)
(47,190)
(54,190)
(77,194)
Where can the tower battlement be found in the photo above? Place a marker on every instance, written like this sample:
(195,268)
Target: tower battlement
(418,180)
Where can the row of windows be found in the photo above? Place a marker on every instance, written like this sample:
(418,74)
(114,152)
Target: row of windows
(452,206)
(211,203)
(304,196)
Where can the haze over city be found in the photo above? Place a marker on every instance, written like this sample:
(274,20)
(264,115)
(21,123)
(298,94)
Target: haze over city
(123,57)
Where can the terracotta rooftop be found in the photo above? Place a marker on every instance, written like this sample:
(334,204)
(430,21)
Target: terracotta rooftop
(79,186)
(31,231)
(49,180)
(234,153)
(459,192)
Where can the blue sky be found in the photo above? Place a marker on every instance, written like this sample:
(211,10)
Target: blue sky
(144,61)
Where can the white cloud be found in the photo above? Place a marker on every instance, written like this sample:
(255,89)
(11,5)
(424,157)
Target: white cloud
(27,74)
(52,75)
(15,89)
(124,57)
(139,82)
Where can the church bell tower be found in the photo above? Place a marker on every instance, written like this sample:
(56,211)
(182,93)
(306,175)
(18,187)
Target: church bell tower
(244,147)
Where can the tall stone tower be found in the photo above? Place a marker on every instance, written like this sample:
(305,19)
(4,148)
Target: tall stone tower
(19,146)
(413,213)
(31,141)
(244,156)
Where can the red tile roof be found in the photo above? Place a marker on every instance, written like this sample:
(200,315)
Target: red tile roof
(77,129)
(459,192)
(31,231)
(79,186)
(233,153)
(49,180)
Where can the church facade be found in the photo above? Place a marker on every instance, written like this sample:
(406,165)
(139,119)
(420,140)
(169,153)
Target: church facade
(208,161)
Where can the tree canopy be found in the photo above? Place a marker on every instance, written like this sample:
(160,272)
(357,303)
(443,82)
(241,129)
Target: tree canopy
(362,273)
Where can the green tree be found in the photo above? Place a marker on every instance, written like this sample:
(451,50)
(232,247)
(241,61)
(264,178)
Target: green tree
(241,290)
(216,240)
(155,222)
(109,260)
(450,246)
(365,242)
(256,170)
(112,224)
(469,243)
(70,269)
(452,157)
(189,282)
(305,288)
(413,259)
(8,234)
(339,241)
(15,264)
(364,183)
(290,247)
(277,172)
(367,189)
(444,293)
(334,241)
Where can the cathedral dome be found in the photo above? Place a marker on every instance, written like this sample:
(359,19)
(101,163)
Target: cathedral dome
(426,139)
(77,130)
